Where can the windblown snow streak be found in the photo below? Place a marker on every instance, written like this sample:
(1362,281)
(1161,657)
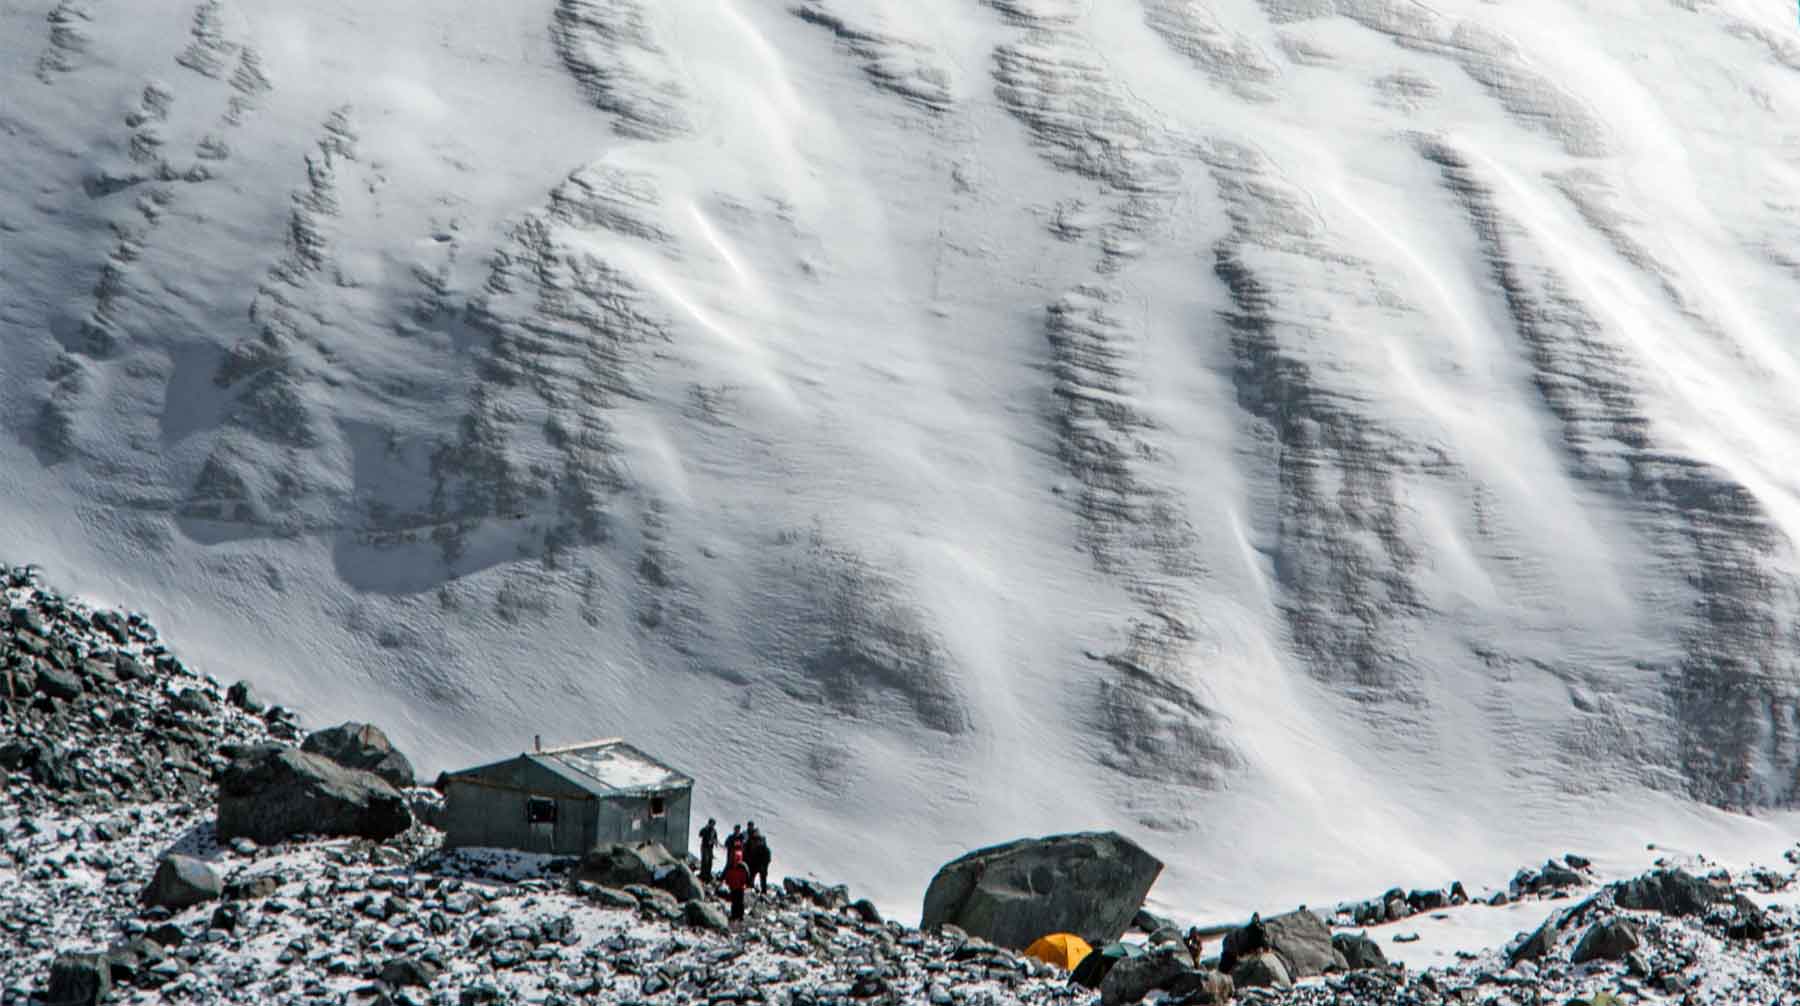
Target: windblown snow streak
(1265,419)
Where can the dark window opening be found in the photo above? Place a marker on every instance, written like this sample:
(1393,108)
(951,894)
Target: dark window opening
(658,807)
(540,811)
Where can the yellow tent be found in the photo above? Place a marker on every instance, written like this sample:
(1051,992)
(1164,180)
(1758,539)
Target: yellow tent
(1064,950)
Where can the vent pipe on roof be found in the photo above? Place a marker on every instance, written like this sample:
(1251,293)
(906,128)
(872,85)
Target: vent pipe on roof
(537,742)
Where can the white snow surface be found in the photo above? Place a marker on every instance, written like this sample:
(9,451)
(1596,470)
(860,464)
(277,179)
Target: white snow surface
(1339,443)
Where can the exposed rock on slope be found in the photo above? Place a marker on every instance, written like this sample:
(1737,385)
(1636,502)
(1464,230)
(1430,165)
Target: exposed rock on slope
(362,746)
(271,792)
(1090,884)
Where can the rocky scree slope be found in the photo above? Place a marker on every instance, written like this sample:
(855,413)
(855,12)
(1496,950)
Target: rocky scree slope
(110,784)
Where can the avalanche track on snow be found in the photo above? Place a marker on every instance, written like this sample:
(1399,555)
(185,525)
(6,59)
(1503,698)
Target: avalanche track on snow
(1322,438)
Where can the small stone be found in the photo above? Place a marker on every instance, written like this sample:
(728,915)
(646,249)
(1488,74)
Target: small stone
(181,882)
(409,971)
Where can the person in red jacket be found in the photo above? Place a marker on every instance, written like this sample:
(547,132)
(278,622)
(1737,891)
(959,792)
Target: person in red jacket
(737,878)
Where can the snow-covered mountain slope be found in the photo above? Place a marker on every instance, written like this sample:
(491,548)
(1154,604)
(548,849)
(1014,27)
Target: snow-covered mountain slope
(1341,442)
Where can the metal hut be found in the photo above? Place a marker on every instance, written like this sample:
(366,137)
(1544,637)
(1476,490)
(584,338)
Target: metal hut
(565,800)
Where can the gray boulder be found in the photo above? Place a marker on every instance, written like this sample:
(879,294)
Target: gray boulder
(362,746)
(1671,892)
(182,882)
(1537,946)
(622,864)
(273,792)
(79,980)
(1133,978)
(1607,940)
(1261,971)
(681,881)
(705,915)
(1091,884)
(1300,938)
(1360,953)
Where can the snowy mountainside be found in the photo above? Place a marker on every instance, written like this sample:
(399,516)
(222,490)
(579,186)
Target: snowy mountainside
(1263,426)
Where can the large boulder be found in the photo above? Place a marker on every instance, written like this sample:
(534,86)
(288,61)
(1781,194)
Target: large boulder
(362,746)
(1607,940)
(272,792)
(1537,946)
(1671,892)
(1133,978)
(1263,970)
(1300,938)
(1090,884)
(1360,953)
(705,915)
(620,864)
(182,882)
(643,864)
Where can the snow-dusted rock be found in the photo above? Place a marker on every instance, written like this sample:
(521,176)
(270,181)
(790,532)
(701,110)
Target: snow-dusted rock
(274,792)
(1091,884)
(182,882)
(1261,970)
(1358,951)
(362,746)
(1606,940)
(1300,938)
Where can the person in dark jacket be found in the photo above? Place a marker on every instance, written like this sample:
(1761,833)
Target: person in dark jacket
(735,841)
(1195,943)
(737,878)
(709,837)
(757,857)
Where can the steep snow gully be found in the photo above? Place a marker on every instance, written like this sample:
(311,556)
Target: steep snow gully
(1323,438)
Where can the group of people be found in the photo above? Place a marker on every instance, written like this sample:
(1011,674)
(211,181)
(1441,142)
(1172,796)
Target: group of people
(747,859)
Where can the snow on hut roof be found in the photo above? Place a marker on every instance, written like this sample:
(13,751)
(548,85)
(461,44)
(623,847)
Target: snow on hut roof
(613,764)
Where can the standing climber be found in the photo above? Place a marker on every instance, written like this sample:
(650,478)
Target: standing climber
(709,837)
(734,843)
(757,856)
(1194,943)
(737,877)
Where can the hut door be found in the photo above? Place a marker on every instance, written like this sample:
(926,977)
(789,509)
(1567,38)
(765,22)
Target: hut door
(658,826)
(540,815)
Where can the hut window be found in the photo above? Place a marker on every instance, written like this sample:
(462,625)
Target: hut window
(658,807)
(540,811)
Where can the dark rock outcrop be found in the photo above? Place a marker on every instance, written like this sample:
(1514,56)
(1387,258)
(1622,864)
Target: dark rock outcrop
(1537,946)
(1607,940)
(182,882)
(1671,892)
(79,980)
(362,746)
(273,792)
(1300,938)
(1091,884)
(1262,970)
(1360,953)
(1133,978)
(619,864)
(705,915)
